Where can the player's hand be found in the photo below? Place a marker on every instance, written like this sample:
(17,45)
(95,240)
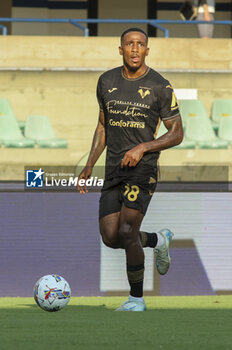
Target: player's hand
(85,174)
(133,156)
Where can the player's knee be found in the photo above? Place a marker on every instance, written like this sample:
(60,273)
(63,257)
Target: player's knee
(109,239)
(125,233)
(110,242)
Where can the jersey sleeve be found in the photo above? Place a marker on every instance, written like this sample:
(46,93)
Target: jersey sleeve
(168,103)
(99,94)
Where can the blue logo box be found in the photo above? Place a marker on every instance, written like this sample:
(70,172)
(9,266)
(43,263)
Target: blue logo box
(34,178)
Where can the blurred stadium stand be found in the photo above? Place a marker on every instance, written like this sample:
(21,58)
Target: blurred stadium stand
(144,9)
(57,77)
(10,134)
(54,73)
(225,128)
(39,129)
(220,108)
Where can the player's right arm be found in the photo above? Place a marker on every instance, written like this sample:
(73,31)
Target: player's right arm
(98,145)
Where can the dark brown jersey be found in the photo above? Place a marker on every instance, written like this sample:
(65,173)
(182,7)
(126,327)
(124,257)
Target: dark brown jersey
(133,109)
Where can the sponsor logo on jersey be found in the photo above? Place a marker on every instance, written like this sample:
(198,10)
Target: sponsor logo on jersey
(174,104)
(111,90)
(127,124)
(129,109)
(128,103)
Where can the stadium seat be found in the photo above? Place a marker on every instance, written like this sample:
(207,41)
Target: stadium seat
(200,130)
(11,135)
(186,144)
(190,108)
(225,128)
(21,124)
(5,108)
(220,108)
(39,129)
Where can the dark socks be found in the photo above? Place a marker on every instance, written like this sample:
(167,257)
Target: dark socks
(135,277)
(148,239)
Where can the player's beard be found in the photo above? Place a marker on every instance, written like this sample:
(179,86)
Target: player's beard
(130,69)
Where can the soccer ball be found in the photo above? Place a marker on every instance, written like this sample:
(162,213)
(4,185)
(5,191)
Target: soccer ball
(52,292)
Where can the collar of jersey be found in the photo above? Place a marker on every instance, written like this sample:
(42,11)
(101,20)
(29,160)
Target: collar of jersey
(134,79)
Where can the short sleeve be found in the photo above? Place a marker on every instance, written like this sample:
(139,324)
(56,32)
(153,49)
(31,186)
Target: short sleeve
(168,103)
(99,94)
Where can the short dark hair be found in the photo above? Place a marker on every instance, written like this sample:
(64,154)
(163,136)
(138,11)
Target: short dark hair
(134,30)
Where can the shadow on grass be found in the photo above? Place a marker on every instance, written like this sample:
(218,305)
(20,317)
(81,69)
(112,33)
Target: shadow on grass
(70,307)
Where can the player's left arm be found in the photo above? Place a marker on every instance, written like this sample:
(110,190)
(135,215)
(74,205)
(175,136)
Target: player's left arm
(172,137)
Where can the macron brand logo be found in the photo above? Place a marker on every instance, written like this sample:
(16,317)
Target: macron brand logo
(34,178)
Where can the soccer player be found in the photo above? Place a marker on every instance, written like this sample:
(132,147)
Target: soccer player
(133,100)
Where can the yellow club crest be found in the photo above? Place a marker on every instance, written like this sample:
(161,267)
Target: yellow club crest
(143,93)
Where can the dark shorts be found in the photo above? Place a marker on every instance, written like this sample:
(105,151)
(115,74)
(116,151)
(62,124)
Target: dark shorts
(134,193)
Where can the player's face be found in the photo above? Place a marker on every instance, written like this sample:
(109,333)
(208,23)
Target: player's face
(134,50)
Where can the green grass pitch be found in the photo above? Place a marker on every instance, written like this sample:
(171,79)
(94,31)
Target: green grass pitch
(90,323)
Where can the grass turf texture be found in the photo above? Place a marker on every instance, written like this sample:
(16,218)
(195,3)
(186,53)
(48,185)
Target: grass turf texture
(170,323)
